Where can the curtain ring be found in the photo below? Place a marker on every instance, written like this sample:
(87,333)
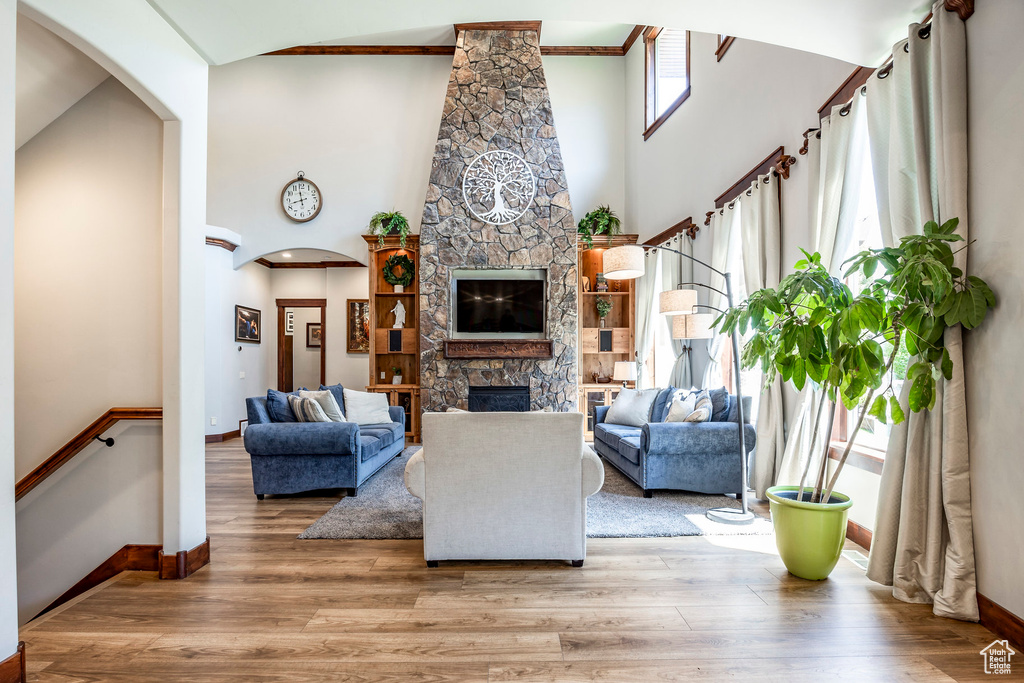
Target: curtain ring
(846,109)
(885,70)
(863,90)
(924,32)
(906,47)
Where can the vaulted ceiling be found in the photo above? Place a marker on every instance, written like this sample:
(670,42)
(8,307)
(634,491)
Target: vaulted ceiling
(859,31)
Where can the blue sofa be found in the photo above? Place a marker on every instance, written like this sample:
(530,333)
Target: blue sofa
(679,456)
(291,457)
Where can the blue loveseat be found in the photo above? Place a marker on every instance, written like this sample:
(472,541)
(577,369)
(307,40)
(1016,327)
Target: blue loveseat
(291,457)
(679,456)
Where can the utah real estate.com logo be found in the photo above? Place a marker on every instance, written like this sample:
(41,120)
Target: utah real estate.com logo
(997,657)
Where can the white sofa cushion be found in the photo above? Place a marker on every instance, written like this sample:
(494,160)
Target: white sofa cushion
(327,403)
(632,407)
(366,407)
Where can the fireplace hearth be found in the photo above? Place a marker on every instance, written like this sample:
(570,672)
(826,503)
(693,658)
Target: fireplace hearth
(499,399)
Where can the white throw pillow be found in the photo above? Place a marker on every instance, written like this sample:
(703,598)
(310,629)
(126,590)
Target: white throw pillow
(327,403)
(632,407)
(306,409)
(366,407)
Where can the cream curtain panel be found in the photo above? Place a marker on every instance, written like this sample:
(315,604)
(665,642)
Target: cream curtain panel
(761,247)
(923,544)
(834,196)
(674,270)
(725,229)
(646,294)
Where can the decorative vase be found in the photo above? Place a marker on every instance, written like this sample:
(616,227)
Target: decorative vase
(399,289)
(397,379)
(809,536)
(602,322)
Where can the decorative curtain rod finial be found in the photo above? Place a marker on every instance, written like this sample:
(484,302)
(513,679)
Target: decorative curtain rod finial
(783,164)
(707,220)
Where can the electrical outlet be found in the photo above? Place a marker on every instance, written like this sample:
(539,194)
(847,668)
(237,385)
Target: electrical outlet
(213,422)
(241,374)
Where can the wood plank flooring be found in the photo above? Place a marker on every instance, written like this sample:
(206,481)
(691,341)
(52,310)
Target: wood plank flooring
(270,608)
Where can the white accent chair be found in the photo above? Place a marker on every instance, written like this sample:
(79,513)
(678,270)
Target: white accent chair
(504,486)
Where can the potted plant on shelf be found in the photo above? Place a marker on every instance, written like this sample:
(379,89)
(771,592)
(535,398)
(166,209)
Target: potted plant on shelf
(398,271)
(812,328)
(385,223)
(396,375)
(600,221)
(604,307)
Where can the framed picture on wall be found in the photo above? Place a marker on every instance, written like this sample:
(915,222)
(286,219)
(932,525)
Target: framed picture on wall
(358,325)
(314,335)
(247,324)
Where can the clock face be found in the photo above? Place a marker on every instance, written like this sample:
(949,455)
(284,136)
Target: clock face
(301,200)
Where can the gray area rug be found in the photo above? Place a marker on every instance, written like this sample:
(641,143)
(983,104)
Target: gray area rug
(384,509)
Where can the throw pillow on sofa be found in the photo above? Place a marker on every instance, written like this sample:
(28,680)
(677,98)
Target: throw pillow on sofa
(327,403)
(691,407)
(306,409)
(632,407)
(338,392)
(366,408)
(278,408)
(720,402)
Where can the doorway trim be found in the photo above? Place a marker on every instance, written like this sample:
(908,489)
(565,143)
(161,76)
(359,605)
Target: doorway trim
(301,303)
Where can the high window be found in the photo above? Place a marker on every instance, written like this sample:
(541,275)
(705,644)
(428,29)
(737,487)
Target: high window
(667,58)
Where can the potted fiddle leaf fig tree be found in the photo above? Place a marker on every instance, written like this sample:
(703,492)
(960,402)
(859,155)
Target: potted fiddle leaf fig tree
(600,221)
(813,328)
(385,223)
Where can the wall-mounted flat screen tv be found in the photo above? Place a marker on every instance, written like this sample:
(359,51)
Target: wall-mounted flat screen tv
(496,307)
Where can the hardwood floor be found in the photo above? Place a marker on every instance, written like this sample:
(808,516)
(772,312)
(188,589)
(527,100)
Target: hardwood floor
(270,607)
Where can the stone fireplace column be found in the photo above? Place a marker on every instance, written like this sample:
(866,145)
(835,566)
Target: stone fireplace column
(497,100)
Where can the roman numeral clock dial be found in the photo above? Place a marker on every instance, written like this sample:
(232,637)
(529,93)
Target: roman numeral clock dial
(301,199)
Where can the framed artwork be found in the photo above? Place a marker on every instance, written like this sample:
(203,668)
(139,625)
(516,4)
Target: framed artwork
(247,325)
(358,325)
(314,335)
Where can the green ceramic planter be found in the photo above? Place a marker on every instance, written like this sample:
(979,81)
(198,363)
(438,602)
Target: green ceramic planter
(809,536)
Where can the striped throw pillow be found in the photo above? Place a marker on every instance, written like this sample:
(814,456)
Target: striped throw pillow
(307,410)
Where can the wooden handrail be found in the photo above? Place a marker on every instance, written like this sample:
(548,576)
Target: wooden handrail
(73,447)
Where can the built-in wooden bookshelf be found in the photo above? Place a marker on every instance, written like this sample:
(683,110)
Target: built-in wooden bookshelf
(601,347)
(395,348)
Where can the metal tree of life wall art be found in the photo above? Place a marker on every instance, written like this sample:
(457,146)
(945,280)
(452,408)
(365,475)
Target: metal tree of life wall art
(498,187)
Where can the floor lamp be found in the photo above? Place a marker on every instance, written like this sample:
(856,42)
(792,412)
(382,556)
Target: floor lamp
(627,263)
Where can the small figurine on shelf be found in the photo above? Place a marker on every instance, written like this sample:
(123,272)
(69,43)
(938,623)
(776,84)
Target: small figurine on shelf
(604,307)
(399,311)
(599,377)
(601,285)
(586,283)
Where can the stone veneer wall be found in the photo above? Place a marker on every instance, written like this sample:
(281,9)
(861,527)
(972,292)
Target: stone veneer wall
(497,99)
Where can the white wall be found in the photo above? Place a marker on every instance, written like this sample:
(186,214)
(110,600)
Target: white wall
(363,128)
(88,317)
(87,270)
(102,500)
(994,369)
(8,559)
(349,369)
(226,287)
(305,361)
(590,116)
(167,74)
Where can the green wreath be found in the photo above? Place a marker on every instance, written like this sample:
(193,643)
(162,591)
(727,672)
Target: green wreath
(405,266)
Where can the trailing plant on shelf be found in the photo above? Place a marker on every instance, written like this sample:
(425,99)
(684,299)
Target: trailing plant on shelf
(813,328)
(604,307)
(399,270)
(600,221)
(385,223)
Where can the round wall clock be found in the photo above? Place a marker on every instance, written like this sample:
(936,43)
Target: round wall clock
(301,199)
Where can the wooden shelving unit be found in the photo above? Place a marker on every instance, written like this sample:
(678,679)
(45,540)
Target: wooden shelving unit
(600,348)
(391,348)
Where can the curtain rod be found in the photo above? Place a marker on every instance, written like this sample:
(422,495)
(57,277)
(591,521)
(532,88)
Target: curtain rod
(780,169)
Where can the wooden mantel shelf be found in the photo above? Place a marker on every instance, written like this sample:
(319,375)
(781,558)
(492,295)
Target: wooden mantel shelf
(479,349)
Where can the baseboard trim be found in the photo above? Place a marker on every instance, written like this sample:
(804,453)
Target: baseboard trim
(1001,621)
(129,558)
(226,436)
(185,563)
(12,669)
(861,535)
